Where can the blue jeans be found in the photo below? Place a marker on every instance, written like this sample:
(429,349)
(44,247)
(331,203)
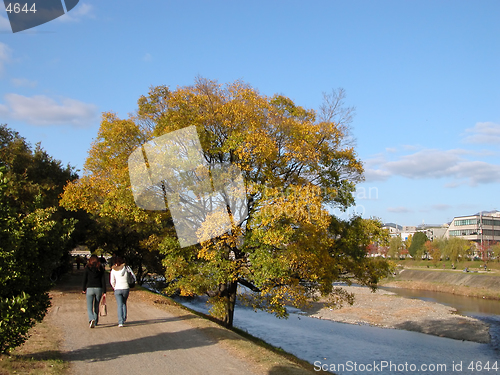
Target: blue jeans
(93,298)
(121,296)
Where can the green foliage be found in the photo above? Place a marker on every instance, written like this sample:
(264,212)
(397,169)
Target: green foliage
(352,239)
(417,243)
(33,235)
(496,251)
(35,178)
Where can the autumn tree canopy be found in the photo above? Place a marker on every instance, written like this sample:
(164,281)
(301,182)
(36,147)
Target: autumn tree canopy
(296,163)
(117,224)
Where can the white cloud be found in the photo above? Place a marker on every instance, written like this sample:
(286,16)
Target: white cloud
(423,164)
(5,55)
(23,82)
(478,172)
(441,207)
(483,133)
(77,13)
(434,164)
(42,110)
(399,210)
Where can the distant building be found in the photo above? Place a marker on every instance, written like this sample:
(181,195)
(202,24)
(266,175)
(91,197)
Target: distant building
(394,229)
(431,231)
(80,251)
(481,227)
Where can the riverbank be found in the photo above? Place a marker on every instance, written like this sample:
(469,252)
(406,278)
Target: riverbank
(386,309)
(480,285)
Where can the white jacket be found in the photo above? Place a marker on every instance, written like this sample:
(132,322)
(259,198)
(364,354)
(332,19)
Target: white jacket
(118,277)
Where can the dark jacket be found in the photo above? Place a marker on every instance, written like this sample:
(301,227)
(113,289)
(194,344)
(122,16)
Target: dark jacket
(94,278)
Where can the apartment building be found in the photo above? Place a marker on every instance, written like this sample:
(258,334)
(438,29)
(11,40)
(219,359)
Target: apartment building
(484,227)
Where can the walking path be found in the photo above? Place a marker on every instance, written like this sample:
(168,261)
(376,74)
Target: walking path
(158,338)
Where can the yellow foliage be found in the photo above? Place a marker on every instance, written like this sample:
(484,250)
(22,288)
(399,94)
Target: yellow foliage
(295,161)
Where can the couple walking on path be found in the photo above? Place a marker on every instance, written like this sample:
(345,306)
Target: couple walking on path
(94,286)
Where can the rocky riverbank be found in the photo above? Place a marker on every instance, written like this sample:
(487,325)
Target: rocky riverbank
(386,309)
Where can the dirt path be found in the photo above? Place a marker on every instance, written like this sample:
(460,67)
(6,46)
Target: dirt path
(157,339)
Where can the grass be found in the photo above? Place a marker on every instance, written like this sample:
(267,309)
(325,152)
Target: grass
(473,265)
(39,355)
(442,285)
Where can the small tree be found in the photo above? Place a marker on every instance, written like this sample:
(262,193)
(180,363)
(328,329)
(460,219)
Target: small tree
(417,243)
(495,249)
(396,246)
(455,248)
(407,243)
(432,248)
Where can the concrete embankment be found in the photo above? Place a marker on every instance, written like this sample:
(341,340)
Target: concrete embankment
(482,285)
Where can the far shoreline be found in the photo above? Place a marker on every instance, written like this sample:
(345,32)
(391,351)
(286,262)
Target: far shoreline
(478,285)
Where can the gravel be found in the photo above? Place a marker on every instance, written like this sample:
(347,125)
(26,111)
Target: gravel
(386,309)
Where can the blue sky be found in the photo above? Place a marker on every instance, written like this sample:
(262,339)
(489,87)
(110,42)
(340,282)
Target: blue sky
(423,76)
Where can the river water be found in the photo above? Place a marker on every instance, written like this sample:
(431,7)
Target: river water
(465,305)
(361,349)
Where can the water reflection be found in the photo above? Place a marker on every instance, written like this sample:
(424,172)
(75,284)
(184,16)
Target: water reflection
(469,306)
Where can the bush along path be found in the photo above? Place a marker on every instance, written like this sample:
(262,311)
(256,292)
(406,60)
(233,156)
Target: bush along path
(158,337)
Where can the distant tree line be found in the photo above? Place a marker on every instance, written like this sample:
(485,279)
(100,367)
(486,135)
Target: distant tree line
(454,249)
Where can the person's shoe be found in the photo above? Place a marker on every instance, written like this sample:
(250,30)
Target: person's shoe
(120,325)
(92,323)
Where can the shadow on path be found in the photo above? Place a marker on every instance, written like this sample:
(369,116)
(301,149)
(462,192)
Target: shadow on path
(160,342)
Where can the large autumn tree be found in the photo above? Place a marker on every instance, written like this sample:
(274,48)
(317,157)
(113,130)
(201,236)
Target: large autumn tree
(296,163)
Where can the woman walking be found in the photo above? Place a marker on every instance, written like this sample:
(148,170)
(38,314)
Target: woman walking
(94,286)
(119,282)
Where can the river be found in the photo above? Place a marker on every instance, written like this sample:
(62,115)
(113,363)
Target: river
(465,305)
(361,349)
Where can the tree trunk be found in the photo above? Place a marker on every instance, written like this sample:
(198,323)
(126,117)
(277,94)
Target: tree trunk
(229,295)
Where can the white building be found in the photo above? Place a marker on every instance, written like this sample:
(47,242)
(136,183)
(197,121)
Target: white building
(431,231)
(483,227)
(394,229)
